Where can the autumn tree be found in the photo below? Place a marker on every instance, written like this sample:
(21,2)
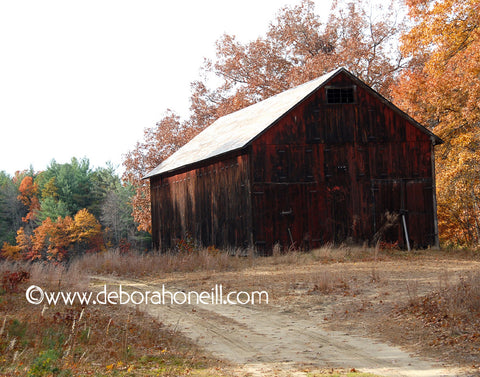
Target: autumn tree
(11,252)
(159,142)
(38,211)
(86,232)
(28,195)
(22,249)
(297,47)
(441,89)
(57,240)
(51,240)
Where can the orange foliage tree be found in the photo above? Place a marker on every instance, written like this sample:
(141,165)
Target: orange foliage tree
(24,242)
(29,197)
(441,89)
(52,239)
(57,240)
(296,48)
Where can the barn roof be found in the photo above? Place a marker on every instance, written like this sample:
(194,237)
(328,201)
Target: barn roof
(234,131)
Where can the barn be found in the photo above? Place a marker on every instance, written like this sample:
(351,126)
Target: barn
(327,161)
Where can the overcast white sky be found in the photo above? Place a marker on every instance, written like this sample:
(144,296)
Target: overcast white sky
(85,78)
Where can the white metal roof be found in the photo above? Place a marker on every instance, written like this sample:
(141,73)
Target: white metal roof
(236,130)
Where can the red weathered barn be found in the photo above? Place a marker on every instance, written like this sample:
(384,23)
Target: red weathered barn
(327,161)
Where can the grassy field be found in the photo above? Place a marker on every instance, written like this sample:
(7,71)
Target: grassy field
(71,340)
(42,340)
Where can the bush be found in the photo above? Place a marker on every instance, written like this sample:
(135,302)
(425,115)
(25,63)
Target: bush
(12,279)
(45,364)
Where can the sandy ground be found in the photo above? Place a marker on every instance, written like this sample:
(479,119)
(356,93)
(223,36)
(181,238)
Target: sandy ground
(319,316)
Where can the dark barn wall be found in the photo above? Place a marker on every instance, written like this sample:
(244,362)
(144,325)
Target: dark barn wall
(322,173)
(210,203)
(330,172)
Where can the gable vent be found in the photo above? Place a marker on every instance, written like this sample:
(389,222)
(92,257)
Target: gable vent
(340,95)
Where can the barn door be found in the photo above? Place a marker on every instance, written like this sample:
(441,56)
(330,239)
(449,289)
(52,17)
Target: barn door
(388,198)
(338,191)
(261,217)
(273,216)
(284,216)
(410,199)
(419,207)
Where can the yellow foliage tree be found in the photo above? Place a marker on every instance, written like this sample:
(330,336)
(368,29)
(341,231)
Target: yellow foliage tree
(441,89)
(55,240)
(11,252)
(85,229)
(50,190)
(24,242)
(84,226)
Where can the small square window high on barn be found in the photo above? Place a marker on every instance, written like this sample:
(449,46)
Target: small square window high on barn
(340,95)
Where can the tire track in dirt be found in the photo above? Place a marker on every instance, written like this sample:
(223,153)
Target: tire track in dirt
(265,340)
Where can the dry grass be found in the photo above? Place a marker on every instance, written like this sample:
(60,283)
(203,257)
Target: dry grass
(71,340)
(454,304)
(327,282)
(448,317)
(149,264)
(49,275)
(108,339)
(145,264)
(75,340)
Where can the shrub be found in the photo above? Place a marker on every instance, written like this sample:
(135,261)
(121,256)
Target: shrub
(12,279)
(45,364)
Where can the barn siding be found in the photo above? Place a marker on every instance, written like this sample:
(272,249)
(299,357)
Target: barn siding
(330,172)
(210,204)
(321,173)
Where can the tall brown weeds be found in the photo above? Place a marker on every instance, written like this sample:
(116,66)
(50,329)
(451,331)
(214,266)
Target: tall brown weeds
(147,264)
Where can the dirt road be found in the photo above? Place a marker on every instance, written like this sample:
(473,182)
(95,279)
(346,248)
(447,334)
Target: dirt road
(267,340)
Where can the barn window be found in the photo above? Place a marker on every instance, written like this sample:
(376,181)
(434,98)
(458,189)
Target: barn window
(340,95)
